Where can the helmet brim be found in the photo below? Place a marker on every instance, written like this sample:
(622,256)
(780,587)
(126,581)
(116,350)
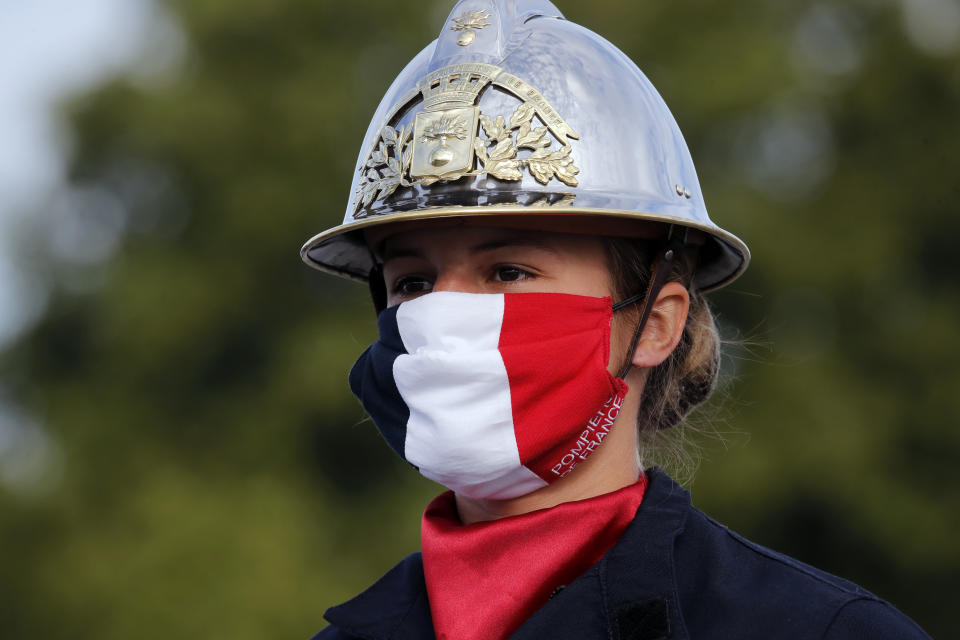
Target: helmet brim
(343,250)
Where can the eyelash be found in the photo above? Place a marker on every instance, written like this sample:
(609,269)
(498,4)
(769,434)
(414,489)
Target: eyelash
(401,282)
(497,272)
(524,274)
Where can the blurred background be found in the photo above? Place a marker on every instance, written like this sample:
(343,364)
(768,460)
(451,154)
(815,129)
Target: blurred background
(179,453)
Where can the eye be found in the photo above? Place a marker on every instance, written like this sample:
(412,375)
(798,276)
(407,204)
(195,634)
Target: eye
(508,273)
(411,285)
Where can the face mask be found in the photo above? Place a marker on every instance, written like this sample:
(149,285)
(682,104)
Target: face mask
(492,395)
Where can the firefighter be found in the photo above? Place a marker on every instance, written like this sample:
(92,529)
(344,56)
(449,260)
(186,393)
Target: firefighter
(529,221)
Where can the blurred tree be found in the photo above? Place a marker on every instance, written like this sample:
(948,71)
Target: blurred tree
(208,473)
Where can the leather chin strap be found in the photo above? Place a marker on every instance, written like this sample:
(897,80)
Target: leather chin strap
(662,267)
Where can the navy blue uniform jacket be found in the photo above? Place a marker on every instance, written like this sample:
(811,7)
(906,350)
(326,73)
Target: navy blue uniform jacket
(675,574)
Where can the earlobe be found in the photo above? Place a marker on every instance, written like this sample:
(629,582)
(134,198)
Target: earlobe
(664,327)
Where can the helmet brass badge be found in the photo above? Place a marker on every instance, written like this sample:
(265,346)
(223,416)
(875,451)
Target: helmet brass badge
(443,143)
(467,23)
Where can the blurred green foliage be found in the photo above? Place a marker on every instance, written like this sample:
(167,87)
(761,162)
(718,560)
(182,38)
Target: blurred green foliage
(208,473)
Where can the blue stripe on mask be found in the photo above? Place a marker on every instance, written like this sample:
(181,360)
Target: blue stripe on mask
(371,380)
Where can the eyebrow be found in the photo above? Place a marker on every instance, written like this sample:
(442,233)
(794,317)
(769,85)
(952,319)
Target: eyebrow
(391,253)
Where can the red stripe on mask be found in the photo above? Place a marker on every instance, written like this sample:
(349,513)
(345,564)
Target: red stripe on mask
(556,348)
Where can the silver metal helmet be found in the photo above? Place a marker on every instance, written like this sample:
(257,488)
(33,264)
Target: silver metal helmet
(514,111)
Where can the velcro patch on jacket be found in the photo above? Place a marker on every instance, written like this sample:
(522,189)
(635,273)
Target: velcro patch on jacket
(643,620)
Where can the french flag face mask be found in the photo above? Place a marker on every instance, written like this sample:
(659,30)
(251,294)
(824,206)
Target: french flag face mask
(492,395)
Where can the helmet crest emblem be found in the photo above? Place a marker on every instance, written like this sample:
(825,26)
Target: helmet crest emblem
(467,23)
(444,142)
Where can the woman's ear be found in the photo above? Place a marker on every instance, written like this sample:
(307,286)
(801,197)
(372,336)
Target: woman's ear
(664,327)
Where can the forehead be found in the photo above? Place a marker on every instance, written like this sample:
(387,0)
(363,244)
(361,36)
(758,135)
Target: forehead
(541,225)
(448,236)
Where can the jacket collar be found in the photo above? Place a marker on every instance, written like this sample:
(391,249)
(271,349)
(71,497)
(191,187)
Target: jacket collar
(395,607)
(632,586)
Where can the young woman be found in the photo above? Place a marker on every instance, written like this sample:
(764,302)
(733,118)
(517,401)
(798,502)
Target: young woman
(530,224)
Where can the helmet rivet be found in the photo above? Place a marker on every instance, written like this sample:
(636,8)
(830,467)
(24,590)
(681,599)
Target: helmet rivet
(686,193)
(679,190)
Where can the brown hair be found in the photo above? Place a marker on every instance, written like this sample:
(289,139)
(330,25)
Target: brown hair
(687,377)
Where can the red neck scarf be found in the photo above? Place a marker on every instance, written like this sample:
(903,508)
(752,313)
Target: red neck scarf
(485,579)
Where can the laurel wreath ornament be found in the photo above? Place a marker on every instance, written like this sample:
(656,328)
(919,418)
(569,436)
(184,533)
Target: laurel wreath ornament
(388,166)
(385,170)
